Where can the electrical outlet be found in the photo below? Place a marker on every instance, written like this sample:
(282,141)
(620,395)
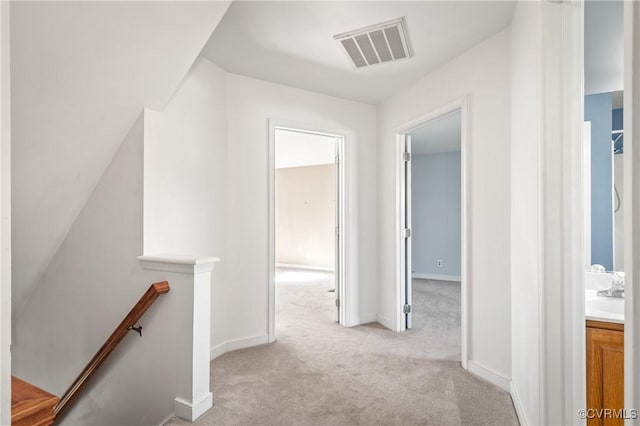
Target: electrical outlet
(439,263)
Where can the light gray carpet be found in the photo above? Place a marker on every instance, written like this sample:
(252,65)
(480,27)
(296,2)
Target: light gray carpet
(318,373)
(436,318)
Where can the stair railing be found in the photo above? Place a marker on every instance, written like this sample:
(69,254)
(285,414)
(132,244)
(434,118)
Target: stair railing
(127,324)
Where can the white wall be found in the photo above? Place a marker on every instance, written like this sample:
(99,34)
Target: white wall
(184,176)
(298,149)
(81,76)
(548,378)
(90,285)
(482,73)
(306,215)
(603,46)
(220,122)
(185,179)
(5,216)
(251,103)
(525,206)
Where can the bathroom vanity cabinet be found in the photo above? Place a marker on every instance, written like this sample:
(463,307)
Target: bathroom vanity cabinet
(605,369)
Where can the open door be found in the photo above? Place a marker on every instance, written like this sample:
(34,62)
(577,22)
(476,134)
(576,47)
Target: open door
(341,234)
(406,225)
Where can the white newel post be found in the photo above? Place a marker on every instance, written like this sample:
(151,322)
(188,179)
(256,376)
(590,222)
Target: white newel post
(190,296)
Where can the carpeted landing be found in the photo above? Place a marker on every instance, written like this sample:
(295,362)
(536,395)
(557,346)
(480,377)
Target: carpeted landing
(318,373)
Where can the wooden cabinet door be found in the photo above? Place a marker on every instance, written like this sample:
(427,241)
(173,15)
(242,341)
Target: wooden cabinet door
(605,373)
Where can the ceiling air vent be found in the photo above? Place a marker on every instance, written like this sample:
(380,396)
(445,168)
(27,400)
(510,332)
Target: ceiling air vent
(385,42)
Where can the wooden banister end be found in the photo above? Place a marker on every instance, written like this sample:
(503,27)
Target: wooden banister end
(161,287)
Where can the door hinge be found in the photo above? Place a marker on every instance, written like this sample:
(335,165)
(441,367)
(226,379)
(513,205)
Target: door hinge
(406,233)
(406,309)
(337,231)
(406,156)
(337,302)
(337,159)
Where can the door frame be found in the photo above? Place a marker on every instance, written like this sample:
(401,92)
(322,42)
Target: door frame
(632,205)
(343,290)
(404,140)
(461,104)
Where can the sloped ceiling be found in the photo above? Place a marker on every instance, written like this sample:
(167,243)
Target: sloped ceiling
(603,46)
(292,42)
(81,74)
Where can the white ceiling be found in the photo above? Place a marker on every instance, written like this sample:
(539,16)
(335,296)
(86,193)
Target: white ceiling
(443,135)
(292,42)
(296,149)
(603,46)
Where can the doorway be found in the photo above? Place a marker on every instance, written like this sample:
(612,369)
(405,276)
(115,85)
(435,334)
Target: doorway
(604,203)
(433,249)
(306,216)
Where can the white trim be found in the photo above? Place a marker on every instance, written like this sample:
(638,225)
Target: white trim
(305,267)
(234,345)
(5,214)
(418,275)
(490,375)
(400,323)
(347,290)
(632,206)
(188,411)
(561,307)
(166,419)
(178,263)
(517,404)
(579,253)
(218,350)
(461,104)
(237,344)
(586,198)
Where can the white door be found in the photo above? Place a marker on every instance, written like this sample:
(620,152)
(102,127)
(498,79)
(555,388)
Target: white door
(406,226)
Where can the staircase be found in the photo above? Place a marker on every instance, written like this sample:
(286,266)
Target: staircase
(30,405)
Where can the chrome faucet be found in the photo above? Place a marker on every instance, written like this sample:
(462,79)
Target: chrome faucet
(617,287)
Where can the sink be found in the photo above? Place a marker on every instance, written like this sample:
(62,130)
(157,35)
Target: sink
(598,280)
(600,308)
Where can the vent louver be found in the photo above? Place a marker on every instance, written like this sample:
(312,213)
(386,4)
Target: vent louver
(375,44)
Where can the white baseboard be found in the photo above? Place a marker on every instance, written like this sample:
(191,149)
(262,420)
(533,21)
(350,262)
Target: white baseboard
(436,277)
(191,411)
(490,376)
(305,267)
(234,345)
(517,404)
(218,350)
(166,419)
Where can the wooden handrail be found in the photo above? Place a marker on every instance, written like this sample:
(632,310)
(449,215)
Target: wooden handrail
(116,337)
